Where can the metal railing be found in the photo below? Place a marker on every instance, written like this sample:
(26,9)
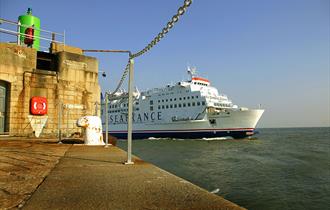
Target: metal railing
(46,37)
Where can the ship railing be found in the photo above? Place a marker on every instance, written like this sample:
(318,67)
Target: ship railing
(12,29)
(123,96)
(155,90)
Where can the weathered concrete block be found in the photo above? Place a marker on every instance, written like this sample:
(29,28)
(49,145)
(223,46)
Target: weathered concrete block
(13,55)
(55,47)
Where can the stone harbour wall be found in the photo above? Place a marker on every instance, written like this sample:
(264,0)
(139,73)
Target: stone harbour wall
(71,89)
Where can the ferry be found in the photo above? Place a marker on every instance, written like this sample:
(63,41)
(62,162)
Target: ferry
(191,109)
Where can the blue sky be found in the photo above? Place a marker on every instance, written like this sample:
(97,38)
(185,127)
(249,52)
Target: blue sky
(269,52)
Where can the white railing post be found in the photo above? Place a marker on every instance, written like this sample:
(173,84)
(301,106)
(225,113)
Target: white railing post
(106,120)
(18,31)
(130,112)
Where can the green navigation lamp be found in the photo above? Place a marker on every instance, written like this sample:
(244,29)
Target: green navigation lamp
(29,30)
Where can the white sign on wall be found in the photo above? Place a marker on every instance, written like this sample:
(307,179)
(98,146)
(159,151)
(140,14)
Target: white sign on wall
(37,123)
(73,106)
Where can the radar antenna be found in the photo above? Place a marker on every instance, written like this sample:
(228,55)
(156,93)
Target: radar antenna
(192,71)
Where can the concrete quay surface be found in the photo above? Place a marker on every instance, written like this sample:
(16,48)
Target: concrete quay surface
(24,165)
(38,175)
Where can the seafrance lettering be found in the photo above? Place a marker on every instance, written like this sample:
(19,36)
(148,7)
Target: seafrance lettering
(137,117)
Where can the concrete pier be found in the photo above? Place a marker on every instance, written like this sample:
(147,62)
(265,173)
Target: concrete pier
(94,177)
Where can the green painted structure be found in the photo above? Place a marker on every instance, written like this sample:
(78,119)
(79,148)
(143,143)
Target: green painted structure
(27,21)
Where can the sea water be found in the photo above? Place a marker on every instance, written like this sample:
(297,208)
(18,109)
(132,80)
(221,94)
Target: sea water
(286,168)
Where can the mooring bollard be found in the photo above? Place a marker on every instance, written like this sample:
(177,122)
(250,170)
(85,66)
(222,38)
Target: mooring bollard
(93,126)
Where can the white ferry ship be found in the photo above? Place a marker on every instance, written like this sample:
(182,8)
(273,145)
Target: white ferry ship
(187,110)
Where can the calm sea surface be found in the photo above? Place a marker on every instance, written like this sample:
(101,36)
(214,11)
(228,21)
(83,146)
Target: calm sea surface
(282,169)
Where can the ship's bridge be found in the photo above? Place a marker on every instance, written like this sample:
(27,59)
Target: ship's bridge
(200,81)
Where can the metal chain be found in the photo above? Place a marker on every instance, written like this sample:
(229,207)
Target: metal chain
(160,36)
(122,78)
(165,30)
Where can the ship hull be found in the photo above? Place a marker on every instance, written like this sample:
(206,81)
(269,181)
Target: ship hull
(186,134)
(235,124)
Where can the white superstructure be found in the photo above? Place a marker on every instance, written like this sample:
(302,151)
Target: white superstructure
(188,109)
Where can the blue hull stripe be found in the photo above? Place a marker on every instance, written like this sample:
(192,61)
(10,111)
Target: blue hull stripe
(185,135)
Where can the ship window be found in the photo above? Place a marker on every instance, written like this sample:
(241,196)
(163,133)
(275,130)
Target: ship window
(166,106)
(184,104)
(203,102)
(151,102)
(174,99)
(137,109)
(188,97)
(180,99)
(184,98)
(158,101)
(171,106)
(196,96)
(166,100)
(170,99)
(188,104)
(213,122)
(175,105)
(192,97)
(163,107)
(180,105)
(159,107)
(162,100)
(193,103)
(151,108)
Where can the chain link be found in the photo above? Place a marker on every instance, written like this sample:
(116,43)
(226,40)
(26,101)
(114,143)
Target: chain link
(122,79)
(165,30)
(159,37)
